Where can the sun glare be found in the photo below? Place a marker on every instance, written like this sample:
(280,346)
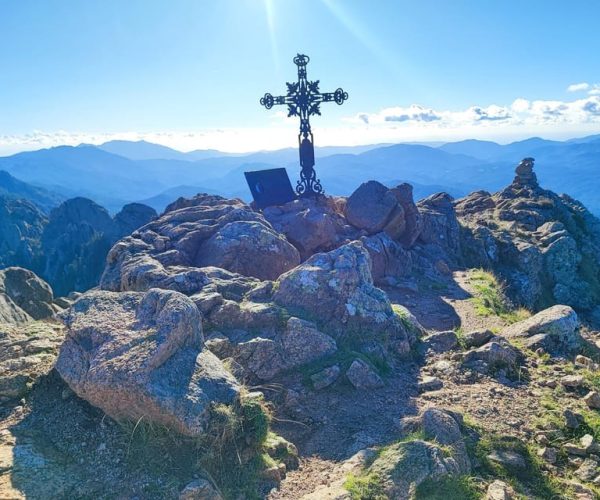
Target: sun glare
(270,11)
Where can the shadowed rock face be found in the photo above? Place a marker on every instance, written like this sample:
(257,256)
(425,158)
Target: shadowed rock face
(439,225)
(28,291)
(373,208)
(24,296)
(140,355)
(545,246)
(21,227)
(68,248)
(131,217)
(77,238)
(336,288)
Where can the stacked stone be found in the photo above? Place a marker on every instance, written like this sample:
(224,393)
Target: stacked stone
(525,175)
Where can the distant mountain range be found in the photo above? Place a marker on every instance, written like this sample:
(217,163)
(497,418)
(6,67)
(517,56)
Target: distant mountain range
(44,199)
(120,172)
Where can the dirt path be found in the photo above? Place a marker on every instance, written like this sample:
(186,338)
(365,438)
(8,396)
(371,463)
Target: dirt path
(445,305)
(362,419)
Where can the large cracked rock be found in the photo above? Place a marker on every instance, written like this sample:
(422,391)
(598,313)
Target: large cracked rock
(248,248)
(555,329)
(412,217)
(440,226)
(204,231)
(141,355)
(546,247)
(374,208)
(403,466)
(24,296)
(389,260)
(312,225)
(336,289)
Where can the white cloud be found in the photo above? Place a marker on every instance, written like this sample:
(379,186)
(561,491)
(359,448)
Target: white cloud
(521,119)
(413,113)
(521,113)
(591,88)
(595,90)
(520,105)
(578,87)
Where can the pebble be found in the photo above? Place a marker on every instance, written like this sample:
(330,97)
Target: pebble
(588,470)
(541,439)
(592,399)
(548,454)
(573,381)
(498,490)
(430,384)
(573,449)
(584,361)
(572,420)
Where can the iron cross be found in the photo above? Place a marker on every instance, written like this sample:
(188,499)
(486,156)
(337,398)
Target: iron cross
(304,99)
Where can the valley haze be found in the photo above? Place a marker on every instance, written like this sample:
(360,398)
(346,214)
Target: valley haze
(119,172)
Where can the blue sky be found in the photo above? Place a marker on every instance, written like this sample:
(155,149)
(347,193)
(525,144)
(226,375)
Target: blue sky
(189,73)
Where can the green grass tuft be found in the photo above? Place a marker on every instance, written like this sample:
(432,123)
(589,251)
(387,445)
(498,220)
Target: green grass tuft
(365,487)
(449,488)
(230,453)
(490,298)
(530,482)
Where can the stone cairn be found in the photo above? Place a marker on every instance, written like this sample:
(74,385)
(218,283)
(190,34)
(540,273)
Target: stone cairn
(525,175)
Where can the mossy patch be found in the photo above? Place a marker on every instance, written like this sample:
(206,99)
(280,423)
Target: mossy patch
(404,316)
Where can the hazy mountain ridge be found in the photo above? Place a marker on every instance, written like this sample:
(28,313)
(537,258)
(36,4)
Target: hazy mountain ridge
(14,188)
(120,172)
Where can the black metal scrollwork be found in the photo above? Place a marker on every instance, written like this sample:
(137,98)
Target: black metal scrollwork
(304,99)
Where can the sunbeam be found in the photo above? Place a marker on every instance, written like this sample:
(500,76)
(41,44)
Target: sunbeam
(394,64)
(269,10)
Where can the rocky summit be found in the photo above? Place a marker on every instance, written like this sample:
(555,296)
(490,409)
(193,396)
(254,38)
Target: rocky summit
(361,347)
(545,246)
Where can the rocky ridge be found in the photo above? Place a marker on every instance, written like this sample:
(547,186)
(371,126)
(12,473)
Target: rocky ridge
(213,296)
(21,228)
(545,246)
(68,246)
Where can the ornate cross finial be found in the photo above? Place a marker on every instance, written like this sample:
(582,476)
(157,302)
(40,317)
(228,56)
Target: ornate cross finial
(304,99)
